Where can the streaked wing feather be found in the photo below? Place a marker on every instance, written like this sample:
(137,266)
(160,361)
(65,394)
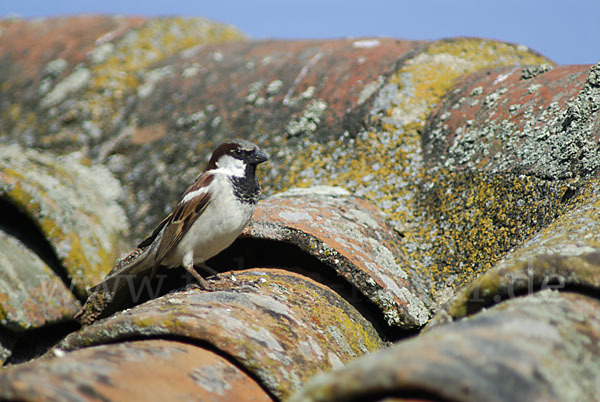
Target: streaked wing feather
(183,217)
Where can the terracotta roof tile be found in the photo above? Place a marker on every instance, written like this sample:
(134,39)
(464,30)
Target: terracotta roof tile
(148,370)
(540,347)
(518,118)
(67,201)
(261,319)
(32,44)
(351,237)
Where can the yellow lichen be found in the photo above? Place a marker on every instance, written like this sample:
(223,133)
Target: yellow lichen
(119,75)
(394,151)
(84,253)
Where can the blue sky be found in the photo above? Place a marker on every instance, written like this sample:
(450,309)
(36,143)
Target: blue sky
(567,31)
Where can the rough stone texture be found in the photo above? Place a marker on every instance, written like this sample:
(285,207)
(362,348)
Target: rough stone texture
(543,347)
(140,370)
(75,208)
(351,237)
(280,326)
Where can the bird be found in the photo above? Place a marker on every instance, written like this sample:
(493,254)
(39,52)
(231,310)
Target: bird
(210,215)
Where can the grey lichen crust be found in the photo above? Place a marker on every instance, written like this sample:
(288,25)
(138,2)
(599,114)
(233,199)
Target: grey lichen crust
(564,146)
(533,71)
(570,142)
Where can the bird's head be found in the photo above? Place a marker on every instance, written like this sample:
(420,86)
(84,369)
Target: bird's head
(235,156)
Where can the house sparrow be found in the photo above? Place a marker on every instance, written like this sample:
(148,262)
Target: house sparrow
(211,214)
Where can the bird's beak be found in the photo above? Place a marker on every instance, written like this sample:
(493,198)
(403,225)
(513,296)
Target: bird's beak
(260,156)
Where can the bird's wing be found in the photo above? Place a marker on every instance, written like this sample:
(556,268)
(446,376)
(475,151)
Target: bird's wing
(184,215)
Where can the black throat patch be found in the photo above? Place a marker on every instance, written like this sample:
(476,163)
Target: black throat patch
(246,188)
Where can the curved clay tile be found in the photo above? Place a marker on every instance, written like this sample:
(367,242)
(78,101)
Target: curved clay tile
(470,176)
(352,238)
(61,227)
(139,370)
(507,151)
(563,256)
(536,120)
(281,327)
(73,207)
(540,347)
(32,44)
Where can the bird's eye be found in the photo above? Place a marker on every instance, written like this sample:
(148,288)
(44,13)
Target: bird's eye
(237,152)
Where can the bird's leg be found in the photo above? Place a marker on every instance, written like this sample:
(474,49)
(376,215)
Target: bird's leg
(207,268)
(188,264)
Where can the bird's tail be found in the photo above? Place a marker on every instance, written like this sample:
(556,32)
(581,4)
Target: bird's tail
(102,295)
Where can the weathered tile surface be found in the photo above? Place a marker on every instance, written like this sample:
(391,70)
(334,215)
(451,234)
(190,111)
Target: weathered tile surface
(540,347)
(73,206)
(280,326)
(351,237)
(149,370)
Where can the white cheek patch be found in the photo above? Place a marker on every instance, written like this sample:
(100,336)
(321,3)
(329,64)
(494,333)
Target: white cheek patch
(193,194)
(231,166)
